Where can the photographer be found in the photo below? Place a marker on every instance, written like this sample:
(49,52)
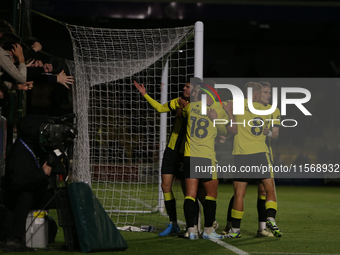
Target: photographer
(26,181)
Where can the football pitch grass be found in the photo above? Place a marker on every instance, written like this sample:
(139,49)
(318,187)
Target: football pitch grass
(309,218)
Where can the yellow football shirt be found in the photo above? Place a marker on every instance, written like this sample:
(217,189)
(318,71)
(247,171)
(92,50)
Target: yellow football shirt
(201,133)
(276,117)
(177,135)
(250,138)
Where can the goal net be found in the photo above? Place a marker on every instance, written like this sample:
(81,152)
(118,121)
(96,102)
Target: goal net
(119,146)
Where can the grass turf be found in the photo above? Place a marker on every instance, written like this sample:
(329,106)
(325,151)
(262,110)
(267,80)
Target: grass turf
(308,217)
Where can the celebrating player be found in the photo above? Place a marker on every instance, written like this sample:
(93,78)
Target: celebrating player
(250,150)
(173,154)
(199,150)
(272,134)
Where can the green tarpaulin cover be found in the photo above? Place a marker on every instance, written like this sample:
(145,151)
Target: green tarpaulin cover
(95,230)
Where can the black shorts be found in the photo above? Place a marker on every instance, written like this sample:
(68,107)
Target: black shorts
(199,168)
(172,163)
(252,167)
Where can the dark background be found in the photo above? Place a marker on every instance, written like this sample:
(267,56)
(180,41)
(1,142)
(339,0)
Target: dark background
(262,39)
(241,39)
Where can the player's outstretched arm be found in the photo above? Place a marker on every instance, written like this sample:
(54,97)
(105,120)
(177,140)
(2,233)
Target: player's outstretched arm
(158,107)
(182,104)
(221,129)
(64,79)
(140,87)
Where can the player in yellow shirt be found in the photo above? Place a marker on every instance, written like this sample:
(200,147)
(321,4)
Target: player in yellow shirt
(272,134)
(200,151)
(250,151)
(173,154)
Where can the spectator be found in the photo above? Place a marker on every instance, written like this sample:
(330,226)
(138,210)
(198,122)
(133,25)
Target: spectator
(10,53)
(36,70)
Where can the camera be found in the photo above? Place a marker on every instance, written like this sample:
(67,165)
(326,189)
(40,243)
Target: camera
(56,141)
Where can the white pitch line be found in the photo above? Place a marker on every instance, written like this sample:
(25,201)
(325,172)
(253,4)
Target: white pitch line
(292,253)
(230,247)
(225,245)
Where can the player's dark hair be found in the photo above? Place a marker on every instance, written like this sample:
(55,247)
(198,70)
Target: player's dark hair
(193,80)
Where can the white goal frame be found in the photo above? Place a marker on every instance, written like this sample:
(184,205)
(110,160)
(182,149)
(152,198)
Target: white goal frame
(83,154)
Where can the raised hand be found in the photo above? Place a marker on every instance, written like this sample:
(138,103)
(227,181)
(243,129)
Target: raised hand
(47,169)
(48,68)
(63,79)
(36,46)
(228,107)
(29,63)
(140,87)
(38,63)
(212,114)
(17,52)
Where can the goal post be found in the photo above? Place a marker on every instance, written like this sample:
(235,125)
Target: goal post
(199,39)
(163,133)
(121,138)
(198,72)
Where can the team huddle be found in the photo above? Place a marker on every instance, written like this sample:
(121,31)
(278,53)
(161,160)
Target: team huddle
(192,142)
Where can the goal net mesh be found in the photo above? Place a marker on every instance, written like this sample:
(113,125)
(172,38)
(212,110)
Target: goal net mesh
(117,149)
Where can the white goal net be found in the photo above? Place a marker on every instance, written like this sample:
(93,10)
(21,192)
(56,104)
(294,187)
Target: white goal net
(118,149)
